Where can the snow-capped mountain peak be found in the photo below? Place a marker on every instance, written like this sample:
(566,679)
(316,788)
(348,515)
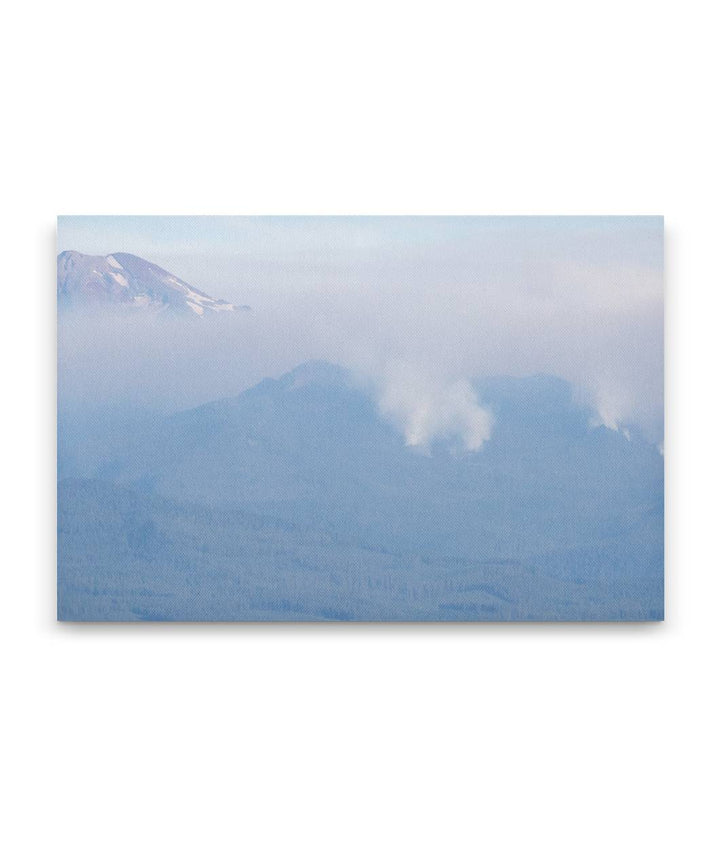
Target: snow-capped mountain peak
(125,280)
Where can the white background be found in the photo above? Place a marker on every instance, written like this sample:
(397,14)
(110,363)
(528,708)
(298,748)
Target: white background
(359,739)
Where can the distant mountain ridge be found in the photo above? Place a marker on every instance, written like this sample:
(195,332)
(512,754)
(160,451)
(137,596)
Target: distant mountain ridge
(125,280)
(311,447)
(296,499)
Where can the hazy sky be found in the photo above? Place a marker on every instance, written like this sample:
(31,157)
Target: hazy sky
(418,304)
(246,256)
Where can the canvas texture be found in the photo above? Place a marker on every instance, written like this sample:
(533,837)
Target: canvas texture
(360,419)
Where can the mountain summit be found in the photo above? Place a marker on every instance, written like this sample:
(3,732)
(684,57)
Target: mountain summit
(122,279)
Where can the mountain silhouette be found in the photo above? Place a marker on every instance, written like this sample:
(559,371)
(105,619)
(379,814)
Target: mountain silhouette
(549,497)
(129,282)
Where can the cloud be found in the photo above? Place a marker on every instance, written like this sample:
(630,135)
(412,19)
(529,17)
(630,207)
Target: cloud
(418,305)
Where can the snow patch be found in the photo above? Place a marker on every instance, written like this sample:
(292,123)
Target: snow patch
(120,279)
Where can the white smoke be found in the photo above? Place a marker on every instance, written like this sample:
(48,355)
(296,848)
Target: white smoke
(610,407)
(426,410)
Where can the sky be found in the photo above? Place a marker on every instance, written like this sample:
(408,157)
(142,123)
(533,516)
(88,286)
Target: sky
(420,305)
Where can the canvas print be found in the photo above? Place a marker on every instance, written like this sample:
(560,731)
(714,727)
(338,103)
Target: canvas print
(360,418)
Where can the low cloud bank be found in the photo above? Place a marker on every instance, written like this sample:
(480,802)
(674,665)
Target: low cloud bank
(419,322)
